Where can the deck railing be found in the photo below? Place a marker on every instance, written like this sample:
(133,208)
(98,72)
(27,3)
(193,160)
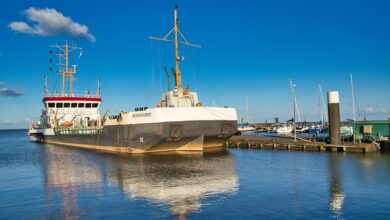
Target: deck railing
(73,95)
(79,130)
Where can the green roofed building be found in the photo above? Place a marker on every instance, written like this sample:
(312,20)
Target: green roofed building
(375,130)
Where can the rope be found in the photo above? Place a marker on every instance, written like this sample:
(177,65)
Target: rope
(196,68)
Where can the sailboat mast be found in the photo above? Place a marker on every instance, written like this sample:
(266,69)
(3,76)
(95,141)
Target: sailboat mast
(323,105)
(295,100)
(353,99)
(247,110)
(295,121)
(177,58)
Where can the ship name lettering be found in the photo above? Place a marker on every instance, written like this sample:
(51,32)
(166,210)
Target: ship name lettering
(146,114)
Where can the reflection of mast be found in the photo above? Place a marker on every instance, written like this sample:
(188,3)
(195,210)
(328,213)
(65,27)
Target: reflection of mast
(71,209)
(178,58)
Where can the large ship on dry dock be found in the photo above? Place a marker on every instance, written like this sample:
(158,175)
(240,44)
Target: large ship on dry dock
(179,122)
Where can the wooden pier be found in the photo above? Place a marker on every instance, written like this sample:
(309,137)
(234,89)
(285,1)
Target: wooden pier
(278,143)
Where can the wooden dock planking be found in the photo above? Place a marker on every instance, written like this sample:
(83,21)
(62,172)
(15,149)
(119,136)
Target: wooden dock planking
(275,143)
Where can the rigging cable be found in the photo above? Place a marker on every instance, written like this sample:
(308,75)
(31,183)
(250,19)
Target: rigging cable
(159,65)
(55,82)
(148,102)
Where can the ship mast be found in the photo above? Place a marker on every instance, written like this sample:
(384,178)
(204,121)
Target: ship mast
(64,70)
(178,58)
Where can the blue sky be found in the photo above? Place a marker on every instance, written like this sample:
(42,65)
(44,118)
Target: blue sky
(250,48)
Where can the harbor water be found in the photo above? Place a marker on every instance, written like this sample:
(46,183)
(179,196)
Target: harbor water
(43,181)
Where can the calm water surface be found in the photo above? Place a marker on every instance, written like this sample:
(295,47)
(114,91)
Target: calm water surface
(41,181)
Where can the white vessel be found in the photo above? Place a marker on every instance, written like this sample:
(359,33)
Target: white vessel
(178,123)
(245,126)
(346,130)
(284,129)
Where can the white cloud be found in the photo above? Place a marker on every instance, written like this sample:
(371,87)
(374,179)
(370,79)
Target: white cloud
(20,26)
(14,124)
(50,22)
(372,109)
(10,92)
(28,120)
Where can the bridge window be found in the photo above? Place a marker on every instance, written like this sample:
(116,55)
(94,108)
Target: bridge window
(73,105)
(95,105)
(51,104)
(81,105)
(88,105)
(66,105)
(59,105)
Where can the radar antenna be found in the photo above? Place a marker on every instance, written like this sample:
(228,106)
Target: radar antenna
(64,69)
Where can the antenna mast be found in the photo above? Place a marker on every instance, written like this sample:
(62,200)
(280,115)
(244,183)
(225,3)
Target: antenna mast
(65,71)
(98,92)
(178,58)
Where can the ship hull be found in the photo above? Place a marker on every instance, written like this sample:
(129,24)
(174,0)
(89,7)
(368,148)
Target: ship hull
(181,136)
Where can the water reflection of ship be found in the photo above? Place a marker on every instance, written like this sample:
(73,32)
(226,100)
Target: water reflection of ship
(65,173)
(179,182)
